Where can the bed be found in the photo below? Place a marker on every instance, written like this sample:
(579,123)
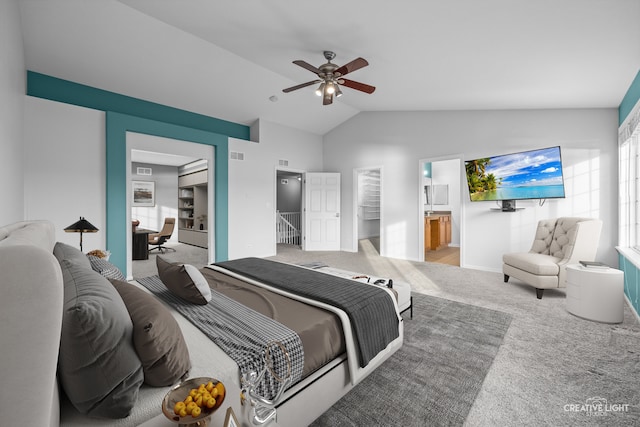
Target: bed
(35,274)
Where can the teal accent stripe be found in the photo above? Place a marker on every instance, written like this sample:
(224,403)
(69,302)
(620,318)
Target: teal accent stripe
(427,170)
(55,89)
(631,283)
(124,113)
(630,99)
(116,127)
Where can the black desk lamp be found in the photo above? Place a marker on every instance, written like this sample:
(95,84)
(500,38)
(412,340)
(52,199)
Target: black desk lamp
(81,226)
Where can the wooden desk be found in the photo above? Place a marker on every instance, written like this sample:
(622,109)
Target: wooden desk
(140,244)
(437,231)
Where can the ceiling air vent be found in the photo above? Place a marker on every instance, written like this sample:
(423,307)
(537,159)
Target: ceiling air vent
(236,155)
(144,171)
(283,162)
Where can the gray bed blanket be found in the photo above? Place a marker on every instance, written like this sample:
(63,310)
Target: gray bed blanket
(370,309)
(240,331)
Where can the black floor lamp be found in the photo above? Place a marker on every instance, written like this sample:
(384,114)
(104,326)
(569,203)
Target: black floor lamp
(81,226)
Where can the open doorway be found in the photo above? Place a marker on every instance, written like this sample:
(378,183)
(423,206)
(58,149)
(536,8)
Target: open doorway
(440,196)
(289,221)
(165,159)
(175,213)
(368,208)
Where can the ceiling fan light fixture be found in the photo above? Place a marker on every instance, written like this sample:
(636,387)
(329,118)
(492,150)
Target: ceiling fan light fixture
(330,76)
(330,88)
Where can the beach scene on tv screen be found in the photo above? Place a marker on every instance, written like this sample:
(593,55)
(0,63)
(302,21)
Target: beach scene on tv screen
(535,174)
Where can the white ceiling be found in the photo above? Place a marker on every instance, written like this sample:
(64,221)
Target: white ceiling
(225,58)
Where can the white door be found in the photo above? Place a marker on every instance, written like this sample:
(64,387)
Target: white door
(322,211)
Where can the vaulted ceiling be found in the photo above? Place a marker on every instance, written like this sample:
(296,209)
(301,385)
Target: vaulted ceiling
(226,58)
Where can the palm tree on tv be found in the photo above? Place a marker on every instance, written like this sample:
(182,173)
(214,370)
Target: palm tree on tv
(476,175)
(475,184)
(478,166)
(490,182)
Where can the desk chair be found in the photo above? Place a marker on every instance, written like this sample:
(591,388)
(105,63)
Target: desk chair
(158,239)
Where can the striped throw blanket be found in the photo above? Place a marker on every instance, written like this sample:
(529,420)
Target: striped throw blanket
(370,309)
(240,332)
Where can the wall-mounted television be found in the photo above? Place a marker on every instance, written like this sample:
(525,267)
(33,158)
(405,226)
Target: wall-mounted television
(534,174)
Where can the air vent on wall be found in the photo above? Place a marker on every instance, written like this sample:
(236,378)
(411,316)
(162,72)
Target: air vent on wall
(236,155)
(283,162)
(144,171)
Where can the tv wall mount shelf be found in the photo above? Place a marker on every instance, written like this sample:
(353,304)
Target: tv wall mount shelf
(507,206)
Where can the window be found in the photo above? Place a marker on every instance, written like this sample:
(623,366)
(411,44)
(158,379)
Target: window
(629,181)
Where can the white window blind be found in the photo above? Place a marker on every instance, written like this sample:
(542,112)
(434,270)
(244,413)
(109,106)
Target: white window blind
(629,181)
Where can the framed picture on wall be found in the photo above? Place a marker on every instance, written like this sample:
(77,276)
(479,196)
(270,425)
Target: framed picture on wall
(144,193)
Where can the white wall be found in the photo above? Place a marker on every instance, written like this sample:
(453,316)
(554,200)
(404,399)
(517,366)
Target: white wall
(398,140)
(65,173)
(65,168)
(252,184)
(12,90)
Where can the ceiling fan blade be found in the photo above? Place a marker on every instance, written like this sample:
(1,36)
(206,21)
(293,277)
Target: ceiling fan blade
(358,86)
(300,86)
(307,66)
(352,66)
(327,99)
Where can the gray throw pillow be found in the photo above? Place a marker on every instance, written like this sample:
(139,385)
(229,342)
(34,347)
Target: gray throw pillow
(184,281)
(63,251)
(157,337)
(97,366)
(105,268)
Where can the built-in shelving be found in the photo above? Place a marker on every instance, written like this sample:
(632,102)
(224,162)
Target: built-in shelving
(193,209)
(370,204)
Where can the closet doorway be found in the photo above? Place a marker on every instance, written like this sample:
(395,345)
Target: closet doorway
(368,210)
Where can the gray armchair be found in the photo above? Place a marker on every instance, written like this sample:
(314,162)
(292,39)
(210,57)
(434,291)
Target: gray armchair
(557,243)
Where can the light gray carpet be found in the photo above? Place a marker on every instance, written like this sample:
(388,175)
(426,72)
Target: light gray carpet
(434,378)
(549,359)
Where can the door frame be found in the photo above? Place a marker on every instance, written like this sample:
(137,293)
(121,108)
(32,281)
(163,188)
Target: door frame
(421,197)
(356,172)
(302,172)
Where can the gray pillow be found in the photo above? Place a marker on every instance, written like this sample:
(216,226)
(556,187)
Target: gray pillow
(63,251)
(105,268)
(97,365)
(184,280)
(157,337)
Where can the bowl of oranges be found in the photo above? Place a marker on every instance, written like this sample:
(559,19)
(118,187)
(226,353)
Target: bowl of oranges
(192,401)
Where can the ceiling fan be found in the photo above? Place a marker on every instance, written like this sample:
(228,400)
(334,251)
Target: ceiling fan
(330,77)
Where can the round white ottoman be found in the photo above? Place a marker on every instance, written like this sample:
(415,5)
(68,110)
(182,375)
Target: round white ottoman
(595,293)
